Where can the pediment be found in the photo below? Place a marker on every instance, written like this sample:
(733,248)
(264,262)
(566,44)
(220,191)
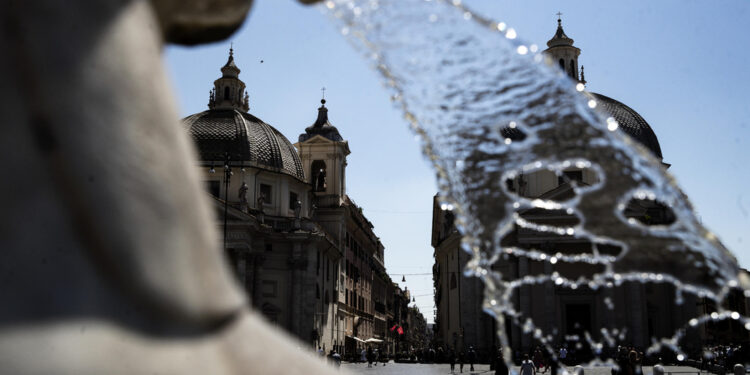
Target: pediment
(318,139)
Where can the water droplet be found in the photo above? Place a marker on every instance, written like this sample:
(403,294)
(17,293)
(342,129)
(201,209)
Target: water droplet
(511,34)
(735,315)
(693,322)
(501,26)
(580,87)
(522,50)
(433,17)
(747,326)
(512,125)
(456,2)
(559,281)
(570,231)
(714,315)
(508,141)
(553,260)
(680,357)
(533,48)
(467,16)
(344,31)
(493,302)
(592,103)
(612,124)
(330,4)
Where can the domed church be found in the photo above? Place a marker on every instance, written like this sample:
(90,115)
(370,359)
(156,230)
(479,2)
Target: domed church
(301,248)
(558,312)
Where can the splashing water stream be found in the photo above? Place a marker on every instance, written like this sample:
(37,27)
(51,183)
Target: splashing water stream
(491,113)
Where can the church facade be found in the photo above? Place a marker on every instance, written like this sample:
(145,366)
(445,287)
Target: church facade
(645,311)
(306,255)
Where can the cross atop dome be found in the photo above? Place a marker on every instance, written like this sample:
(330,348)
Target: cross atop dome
(559,39)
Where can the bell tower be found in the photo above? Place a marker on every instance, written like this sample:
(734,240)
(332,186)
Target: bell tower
(323,152)
(563,53)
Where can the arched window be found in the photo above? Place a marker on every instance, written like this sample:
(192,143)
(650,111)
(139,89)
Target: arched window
(562,64)
(573,69)
(318,174)
(226,93)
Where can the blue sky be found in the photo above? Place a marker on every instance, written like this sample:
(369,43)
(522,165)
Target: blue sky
(681,64)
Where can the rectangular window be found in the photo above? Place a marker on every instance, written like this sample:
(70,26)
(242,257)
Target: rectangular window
(292,200)
(266,192)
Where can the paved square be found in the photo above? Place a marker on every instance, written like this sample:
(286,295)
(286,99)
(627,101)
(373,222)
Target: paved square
(435,369)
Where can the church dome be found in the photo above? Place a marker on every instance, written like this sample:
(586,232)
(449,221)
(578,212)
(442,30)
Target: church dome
(630,122)
(227,127)
(247,139)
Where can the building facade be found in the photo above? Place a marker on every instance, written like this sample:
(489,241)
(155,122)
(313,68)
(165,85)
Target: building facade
(563,315)
(302,249)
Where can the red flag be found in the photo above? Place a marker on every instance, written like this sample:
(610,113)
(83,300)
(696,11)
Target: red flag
(400,331)
(394,327)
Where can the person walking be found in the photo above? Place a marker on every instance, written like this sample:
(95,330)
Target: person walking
(472,357)
(369,356)
(461,359)
(363,356)
(539,360)
(452,360)
(500,367)
(527,366)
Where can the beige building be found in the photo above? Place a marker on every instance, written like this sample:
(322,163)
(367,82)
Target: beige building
(306,255)
(639,312)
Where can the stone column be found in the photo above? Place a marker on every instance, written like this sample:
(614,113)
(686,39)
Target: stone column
(525,300)
(296,262)
(636,312)
(550,318)
(513,272)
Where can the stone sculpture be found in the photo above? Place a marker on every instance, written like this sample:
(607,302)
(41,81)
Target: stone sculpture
(110,260)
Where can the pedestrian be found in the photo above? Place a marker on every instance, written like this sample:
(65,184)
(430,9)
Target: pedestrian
(500,367)
(472,356)
(336,358)
(527,367)
(363,356)
(452,360)
(370,356)
(563,354)
(461,359)
(376,357)
(539,359)
(320,351)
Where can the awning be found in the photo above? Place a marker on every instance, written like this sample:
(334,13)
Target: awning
(372,339)
(356,338)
